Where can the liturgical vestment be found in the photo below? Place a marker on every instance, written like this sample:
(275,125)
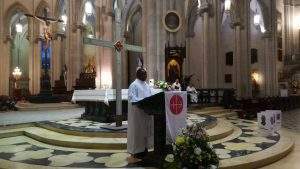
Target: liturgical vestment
(140,132)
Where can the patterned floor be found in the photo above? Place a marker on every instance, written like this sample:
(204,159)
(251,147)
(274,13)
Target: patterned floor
(24,150)
(250,141)
(90,126)
(290,120)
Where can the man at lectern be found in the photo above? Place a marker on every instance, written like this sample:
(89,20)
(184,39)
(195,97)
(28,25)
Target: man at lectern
(140,132)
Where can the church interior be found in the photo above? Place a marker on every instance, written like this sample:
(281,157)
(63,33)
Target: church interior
(223,78)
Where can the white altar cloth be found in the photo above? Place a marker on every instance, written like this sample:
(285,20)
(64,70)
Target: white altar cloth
(100,95)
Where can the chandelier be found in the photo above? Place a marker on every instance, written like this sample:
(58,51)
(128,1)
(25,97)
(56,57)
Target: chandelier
(17,73)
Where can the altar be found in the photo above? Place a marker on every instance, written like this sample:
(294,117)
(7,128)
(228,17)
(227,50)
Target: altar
(100,104)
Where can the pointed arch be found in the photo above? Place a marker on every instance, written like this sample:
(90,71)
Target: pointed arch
(40,8)
(12,10)
(265,14)
(192,16)
(134,8)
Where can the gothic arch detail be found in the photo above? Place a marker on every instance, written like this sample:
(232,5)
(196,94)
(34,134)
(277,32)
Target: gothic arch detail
(13,9)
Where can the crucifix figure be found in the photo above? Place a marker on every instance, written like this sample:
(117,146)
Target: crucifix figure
(118,45)
(46,41)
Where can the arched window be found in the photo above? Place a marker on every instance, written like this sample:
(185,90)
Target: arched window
(257,18)
(19,48)
(62,14)
(89,19)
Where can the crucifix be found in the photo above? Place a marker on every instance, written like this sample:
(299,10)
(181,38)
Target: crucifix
(118,45)
(46,40)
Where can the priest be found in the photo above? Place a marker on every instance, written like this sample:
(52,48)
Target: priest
(140,132)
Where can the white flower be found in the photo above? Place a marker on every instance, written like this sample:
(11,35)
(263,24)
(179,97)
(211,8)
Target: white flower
(213,167)
(170,158)
(174,147)
(197,151)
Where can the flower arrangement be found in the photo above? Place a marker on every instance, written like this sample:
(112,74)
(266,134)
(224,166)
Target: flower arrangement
(162,85)
(192,150)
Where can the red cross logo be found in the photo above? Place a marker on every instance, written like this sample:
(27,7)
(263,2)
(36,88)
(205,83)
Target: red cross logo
(176,104)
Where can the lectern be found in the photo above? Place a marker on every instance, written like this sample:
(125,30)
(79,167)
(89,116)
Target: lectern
(155,105)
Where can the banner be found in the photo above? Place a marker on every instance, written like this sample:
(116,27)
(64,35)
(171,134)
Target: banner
(269,121)
(176,112)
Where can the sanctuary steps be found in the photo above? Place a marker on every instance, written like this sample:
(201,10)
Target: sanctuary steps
(221,132)
(218,112)
(45,106)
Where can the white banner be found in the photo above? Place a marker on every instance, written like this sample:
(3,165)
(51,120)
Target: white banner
(269,121)
(176,112)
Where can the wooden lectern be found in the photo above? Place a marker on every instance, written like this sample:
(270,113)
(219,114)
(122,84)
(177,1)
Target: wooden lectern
(155,105)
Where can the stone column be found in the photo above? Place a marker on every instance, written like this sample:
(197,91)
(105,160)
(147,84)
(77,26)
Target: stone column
(145,32)
(287,47)
(56,59)
(30,36)
(75,58)
(267,71)
(214,54)
(205,13)
(274,53)
(151,39)
(237,59)
(1,43)
(36,61)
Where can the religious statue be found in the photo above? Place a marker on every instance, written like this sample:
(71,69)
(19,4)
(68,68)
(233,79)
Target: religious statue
(90,67)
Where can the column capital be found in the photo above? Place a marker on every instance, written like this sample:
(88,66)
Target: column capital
(7,38)
(236,23)
(287,2)
(76,26)
(60,35)
(204,8)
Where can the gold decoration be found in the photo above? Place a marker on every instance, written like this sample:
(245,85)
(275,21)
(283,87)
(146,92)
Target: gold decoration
(90,67)
(118,46)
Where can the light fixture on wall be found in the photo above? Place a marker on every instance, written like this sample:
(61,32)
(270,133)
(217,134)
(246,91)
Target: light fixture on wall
(199,4)
(227,4)
(256,77)
(88,8)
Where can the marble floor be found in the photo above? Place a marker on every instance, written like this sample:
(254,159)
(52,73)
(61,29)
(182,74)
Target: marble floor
(19,117)
(21,151)
(291,127)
